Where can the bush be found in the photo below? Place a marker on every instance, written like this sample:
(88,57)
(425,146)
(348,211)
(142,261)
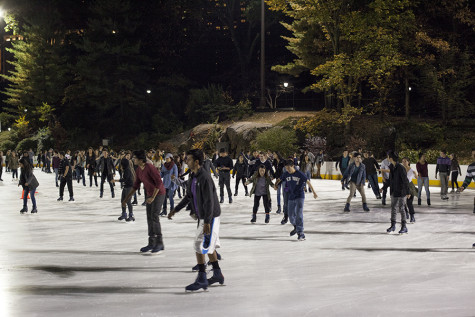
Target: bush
(242,109)
(413,155)
(26,144)
(277,139)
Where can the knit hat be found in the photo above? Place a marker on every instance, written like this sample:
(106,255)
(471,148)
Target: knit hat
(169,155)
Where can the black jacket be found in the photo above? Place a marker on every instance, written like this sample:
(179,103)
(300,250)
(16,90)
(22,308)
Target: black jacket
(62,168)
(106,163)
(127,177)
(225,161)
(279,167)
(398,181)
(28,177)
(206,197)
(240,169)
(371,165)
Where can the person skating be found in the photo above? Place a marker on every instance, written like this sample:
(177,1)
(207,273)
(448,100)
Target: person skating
(295,181)
(279,166)
(91,166)
(201,193)
(399,191)
(306,167)
(65,176)
(13,165)
(224,164)
(355,175)
(169,168)
(240,169)
(29,183)
(469,177)
(1,165)
(107,170)
(385,176)
(261,182)
(371,173)
(423,178)
(128,179)
(147,174)
(320,159)
(343,162)
(443,169)
(412,189)
(454,171)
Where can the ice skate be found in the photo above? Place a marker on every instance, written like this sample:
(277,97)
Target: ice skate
(403,229)
(267,218)
(200,283)
(301,237)
(216,278)
(253,219)
(392,228)
(365,207)
(293,232)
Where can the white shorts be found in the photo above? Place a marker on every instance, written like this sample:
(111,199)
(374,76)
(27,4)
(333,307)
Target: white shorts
(199,243)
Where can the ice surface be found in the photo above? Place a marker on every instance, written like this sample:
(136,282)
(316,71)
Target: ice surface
(77,259)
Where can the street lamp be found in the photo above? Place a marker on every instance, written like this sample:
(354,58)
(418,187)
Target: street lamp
(286,85)
(149,91)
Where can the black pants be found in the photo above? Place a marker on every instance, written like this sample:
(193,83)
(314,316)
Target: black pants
(64,181)
(153,221)
(385,187)
(238,180)
(48,166)
(1,170)
(455,175)
(125,192)
(410,206)
(15,172)
(80,174)
(224,179)
(265,199)
(105,177)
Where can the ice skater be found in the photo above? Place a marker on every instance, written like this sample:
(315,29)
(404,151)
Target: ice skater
(399,190)
(469,177)
(411,174)
(65,176)
(147,174)
(261,182)
(107,169)
(201,193)
(224,164)
(355,175)
(128,179)
(295,182)
(29,183)
(443,169)
(240,169)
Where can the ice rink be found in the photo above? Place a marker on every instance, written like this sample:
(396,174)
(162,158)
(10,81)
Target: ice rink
(77,259)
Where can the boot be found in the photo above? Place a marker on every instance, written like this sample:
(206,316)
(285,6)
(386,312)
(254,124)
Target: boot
(347,208)
(428,202)
(146,248)
(101,194)
(403,229)
(419,201)
(412,219)
(123,216)
(284,220)
(235,193)
(267,218)
(365,207)
(131,218)
(216,278)
(221,200)
(278,210)
(34,211)
(24,209)
(293,232)
(71,198)
(200,283)
(60,198)
(253,219)
(383,201)
(392,228)
(230,200)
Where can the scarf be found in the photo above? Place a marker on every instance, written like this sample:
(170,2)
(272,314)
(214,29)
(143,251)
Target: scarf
(169,165)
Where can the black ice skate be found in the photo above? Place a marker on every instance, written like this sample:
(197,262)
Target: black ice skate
(267,218)
(403,229)
(216,278)
(293,232)
(24,210)
(284,220)
(200,283)
(365,207)
(253,219)
(131,218)
(392,228)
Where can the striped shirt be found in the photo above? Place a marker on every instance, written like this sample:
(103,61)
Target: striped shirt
(470,175)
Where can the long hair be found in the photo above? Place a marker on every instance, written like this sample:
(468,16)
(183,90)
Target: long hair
(27,168)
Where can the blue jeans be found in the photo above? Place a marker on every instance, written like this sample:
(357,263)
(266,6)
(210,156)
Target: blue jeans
(32,197)
(279,190)
(170,193)
(296,213)
(309,177)
(286,203)
(373,180)
(56,175)
(423,181)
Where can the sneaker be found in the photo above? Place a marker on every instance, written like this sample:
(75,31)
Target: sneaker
(200,283)
(216,278)
(293,232)
(146,248)
(301,237)
(284,220)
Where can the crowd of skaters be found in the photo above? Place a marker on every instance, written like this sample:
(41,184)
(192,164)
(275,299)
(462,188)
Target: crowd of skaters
(163,176)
